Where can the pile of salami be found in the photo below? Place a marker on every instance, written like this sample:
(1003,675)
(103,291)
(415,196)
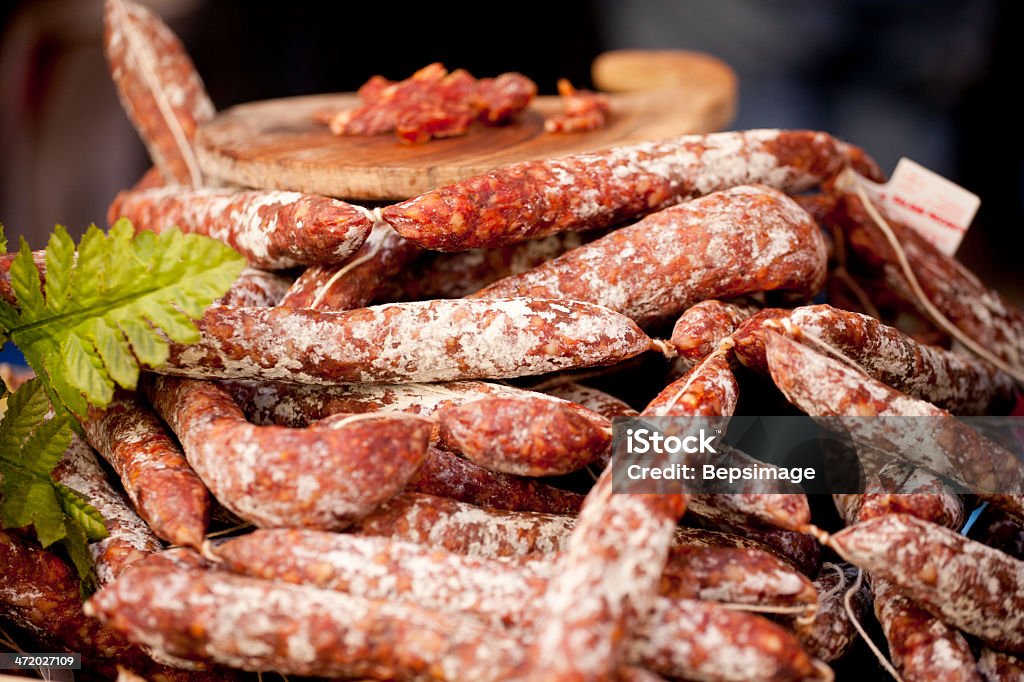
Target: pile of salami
(410,445)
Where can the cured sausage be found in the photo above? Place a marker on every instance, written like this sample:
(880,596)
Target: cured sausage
(605,581)
(464,528)
(39,594)
(599,189)
(737,241)
(157,478)
(295,629)
(605,404)
(159,87)
(447,475)
(128,538)
(454,275)
(356,281)
(256,288)
(827,390)
(400,342)
(301,404)
(700,329)
(534,437)
(830,633)
(981,313)
(968,585)
(959,383)
(273,229)
(921,646)
(275,476)
(995,666)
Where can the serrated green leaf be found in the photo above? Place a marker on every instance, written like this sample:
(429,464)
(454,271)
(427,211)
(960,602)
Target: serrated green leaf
(8,316)
(60,259)
(149,348)
(84,369)
(3,240)
(145,245)
(61,392)
(90,267)
(76,544)
(128,294)
(46,445)
(81,512)
(29,501)
(30,447)
(175,324)
(114,351)
(26,284)
(26,409)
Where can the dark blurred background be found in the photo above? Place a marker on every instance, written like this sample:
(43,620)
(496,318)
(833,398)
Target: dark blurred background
(927,79)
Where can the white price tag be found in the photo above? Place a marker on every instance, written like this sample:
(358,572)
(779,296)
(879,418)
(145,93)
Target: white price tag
(937,208)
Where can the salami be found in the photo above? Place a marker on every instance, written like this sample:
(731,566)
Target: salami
(273,229)
(447,475)
(301,404)
(999,667)
(968,585)
(582,110)
(433,103)
(256,288)
(733,242)
(454,275)
(703,326)
(959,383)
(709,642)
(940,444)
(498,593)
(599,189)
(981,313)
(300,630)
(276,476)
(464,528)
(922,495)
(754,578)
(534,437)
(159,87)
(701,564)
(604,582)
(921,646)
(128,538)
(400,342)
(39,594)
(356,281)
(709,389)
(157,478)
(830,634)
(605,404)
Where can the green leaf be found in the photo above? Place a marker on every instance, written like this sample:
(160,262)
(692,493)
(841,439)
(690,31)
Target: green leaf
(60,260)
(30,447)
(3,240)
(26,284)
(82,513)
(26,409)
(77,546)
(113,307)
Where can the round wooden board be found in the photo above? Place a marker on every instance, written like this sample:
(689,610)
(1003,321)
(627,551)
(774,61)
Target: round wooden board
(277,144)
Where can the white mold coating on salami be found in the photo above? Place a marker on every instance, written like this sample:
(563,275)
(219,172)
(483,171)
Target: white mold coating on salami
(969,585)
(741,240)
(129,537)
(402,342)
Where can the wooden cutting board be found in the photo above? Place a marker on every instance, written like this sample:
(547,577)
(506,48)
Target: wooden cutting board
(277,144)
